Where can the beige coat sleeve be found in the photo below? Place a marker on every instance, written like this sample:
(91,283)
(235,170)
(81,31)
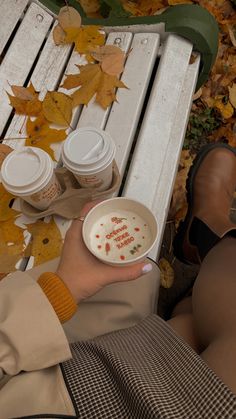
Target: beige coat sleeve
(31,336)
(32,343)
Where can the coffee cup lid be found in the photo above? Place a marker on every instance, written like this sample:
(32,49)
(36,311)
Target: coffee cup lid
(24,170)
(86,145)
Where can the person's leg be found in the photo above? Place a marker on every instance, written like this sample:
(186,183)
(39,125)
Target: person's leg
(214,310)
(182,323)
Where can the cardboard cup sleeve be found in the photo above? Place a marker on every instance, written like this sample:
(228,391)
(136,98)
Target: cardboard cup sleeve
(73,197)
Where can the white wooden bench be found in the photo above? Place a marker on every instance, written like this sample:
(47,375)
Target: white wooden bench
(149,121)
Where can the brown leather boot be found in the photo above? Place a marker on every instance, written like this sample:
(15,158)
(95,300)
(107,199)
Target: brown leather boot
(210,188)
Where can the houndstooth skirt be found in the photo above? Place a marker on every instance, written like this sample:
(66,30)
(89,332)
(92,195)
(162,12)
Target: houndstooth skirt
(144,372)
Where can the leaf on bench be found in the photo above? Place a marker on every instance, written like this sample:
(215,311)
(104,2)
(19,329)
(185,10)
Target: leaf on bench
(46,241)
(42,136)
(57,108)
(25,101)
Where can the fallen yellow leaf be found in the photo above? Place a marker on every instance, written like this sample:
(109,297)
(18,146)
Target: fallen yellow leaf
(42,136)
(88,38)
(46,241)
(167,273)
(57,108)
(106,90)
(11,245)
(232,95)
(25,100)
(226,110)
(4,151)
(6,213)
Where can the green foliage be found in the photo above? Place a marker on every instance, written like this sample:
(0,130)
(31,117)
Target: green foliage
(201,124)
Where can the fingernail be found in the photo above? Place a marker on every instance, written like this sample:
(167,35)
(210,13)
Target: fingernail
(147,268)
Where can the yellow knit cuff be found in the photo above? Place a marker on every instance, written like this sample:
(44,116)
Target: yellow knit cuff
(58,295)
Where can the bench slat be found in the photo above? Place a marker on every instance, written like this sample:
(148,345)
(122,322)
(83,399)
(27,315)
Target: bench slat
(156,133)
(11,12)
(93,114)
(21,55)
(124,116)
(46,76)
(169,170)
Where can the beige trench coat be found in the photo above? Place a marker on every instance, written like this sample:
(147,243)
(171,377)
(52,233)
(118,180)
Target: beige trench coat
(33,342)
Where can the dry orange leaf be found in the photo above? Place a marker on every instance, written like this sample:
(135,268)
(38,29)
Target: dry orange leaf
(46,241)
(114,64)
(4,151)
(11,245)
(59,35)
(94,81)
(87,73)
(69,18)
(167,274)
(25,100)
(6,213)
(57,108)
(42,136)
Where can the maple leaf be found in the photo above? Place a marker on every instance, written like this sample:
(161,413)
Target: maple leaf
(4,151)
(42,136)
(11,245)
(46,241)
(25,101)
(57,108)
(6,212)
(88,38)
(93,81)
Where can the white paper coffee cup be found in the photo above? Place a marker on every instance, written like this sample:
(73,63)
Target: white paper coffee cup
(120,231)
(28,173)
(89,153)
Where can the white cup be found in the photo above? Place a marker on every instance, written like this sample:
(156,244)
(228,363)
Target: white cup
(89,153)
(28,173)
(120,231)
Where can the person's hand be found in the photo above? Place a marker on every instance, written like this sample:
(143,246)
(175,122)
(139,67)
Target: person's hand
(84,274)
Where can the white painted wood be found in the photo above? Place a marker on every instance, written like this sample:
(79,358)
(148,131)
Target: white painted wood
(46,76)
(124,116)
(10,13)
(170,164)
(155,160)
(21,55)
(93,114)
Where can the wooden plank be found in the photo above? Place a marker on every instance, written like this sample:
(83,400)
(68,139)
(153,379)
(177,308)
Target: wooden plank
(93,114)
(156,134)
(46,76)
(11,12)
(124,116)
(166,182)
(21,55)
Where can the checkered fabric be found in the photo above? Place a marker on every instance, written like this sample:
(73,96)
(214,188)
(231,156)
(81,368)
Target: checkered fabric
(144,372)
